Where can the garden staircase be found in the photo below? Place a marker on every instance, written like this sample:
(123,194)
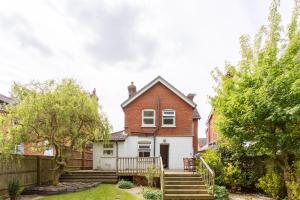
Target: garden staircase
(90,176)
(185,185)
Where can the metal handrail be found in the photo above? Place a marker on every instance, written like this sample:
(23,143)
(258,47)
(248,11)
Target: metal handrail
(162,174)
(207,174)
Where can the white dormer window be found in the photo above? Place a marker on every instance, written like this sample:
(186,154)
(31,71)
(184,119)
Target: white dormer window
(168,118)
(148,118)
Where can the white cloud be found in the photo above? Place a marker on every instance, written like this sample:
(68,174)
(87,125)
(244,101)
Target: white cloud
(106,44)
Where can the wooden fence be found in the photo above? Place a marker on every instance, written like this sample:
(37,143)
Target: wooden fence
(37,169)
(28,169)
(81,160)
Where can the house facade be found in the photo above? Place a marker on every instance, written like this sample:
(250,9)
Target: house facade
(211,131)
(159,121)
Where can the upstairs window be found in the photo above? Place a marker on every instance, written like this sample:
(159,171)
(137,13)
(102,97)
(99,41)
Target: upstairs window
(168,118)
(148,118)
(108,149)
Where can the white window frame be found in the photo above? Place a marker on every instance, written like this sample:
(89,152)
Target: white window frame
(147,117)
(168,115)
(108,149)
(144,144)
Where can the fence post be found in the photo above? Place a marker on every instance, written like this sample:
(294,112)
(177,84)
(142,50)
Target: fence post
(83,156)
(39,170)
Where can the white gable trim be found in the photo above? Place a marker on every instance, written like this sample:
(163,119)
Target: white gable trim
(165,83)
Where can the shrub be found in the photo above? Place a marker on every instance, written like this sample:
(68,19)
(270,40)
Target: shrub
(295,188)
(125,184)
(221,193)
(151,194)
(150,175)
(271,184)
(233,177)
(14,189)
(213,158)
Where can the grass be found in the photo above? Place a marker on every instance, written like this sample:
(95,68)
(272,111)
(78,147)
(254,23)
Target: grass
(102,192)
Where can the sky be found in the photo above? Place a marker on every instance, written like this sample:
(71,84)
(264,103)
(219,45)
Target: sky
(106,44)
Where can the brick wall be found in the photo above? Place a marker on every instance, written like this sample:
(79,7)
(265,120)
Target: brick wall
(212,131)
(168,100)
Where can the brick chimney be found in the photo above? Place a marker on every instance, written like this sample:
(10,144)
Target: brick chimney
(191,96)
(131,90)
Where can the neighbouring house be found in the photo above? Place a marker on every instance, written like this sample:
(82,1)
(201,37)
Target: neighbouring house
(4,100)
(201,142)
(211,132)
(159,121)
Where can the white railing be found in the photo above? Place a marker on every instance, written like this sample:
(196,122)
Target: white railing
(138,165)
(207,174)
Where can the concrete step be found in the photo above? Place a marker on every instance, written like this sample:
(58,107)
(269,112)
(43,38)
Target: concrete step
(189,196)
(183,178)
(178,187)
(186,191)
(184,182)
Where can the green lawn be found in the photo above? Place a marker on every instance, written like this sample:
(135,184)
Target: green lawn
(102,192)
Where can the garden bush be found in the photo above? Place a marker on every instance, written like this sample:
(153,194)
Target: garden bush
(213,158)
(150,175)
(272,184)
(221,193)
(152,194)
(233,177)
(123,184)
(14,189)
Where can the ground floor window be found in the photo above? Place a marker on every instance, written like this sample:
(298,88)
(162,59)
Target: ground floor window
(108,149)
(144,149)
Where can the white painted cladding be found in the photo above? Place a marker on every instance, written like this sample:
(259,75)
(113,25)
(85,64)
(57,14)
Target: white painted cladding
(179,148)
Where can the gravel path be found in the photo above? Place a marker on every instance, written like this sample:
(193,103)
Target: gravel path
(135,191)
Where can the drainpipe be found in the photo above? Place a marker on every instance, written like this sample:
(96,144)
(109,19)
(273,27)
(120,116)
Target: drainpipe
(158,124)
(117,156)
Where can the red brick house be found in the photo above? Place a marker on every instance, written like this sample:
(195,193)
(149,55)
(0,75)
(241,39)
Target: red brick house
(211,131)
(159,121)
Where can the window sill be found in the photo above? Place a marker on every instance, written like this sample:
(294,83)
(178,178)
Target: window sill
(145,126)
(165,126)
(108,156)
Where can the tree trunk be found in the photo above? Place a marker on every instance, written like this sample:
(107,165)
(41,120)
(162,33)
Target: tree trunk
(59,170)
(289,175)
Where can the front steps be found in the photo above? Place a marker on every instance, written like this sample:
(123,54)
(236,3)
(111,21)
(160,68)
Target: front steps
(90,176)
(185,185)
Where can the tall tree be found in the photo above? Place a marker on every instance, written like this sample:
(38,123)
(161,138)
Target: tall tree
(60,115)
(258,101)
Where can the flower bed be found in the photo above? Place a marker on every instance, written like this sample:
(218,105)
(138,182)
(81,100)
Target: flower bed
(63,187)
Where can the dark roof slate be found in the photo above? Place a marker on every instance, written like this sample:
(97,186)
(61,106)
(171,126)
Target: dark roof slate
(118,136)
(196,114)
(5,99)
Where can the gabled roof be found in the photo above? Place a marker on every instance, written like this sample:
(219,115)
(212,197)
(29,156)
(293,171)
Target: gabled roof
(210,116)
(196,114)
(159,79)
